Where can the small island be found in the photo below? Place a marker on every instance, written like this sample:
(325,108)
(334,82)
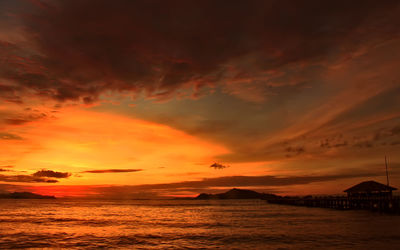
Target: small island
(24,195)
(236,193)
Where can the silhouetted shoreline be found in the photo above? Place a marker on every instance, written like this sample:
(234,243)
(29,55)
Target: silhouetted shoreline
(25,195)
(236,193)
(379,204)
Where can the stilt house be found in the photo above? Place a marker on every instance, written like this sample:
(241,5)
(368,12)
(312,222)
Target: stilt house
(369,189)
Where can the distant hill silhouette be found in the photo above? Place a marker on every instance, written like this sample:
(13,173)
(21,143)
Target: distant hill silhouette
(235,194)
(25,195)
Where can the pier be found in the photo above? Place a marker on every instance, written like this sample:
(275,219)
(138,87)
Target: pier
(367,195)
(378,204)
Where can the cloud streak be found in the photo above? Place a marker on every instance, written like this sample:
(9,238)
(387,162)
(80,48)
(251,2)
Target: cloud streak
(104,171)
(25,178)
(43,176)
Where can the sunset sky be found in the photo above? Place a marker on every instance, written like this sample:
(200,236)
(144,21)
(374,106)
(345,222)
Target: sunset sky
(137,99)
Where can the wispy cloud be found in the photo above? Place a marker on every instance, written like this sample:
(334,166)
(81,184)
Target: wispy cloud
(102,171)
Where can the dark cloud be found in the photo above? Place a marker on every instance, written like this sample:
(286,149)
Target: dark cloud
(44,176)
(24,118)
(9,136)
(25,178)
(101,171)
(51,173)
(85,48)
(218,166)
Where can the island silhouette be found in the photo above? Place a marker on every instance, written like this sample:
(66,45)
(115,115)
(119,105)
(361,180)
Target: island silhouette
(24,195)
(236,193)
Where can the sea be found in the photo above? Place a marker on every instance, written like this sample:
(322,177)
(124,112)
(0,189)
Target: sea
(189,224)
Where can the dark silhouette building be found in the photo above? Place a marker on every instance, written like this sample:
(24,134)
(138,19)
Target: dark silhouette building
(369,189)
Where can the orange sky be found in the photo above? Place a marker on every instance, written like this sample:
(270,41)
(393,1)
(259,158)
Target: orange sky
(112,100)
(79,140)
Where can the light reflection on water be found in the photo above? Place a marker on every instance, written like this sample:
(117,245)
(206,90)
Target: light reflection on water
(240,224)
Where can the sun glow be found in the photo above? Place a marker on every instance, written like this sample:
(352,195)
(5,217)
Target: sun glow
(80,140)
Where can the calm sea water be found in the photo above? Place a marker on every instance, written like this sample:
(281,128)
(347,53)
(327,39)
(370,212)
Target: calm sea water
(158,224)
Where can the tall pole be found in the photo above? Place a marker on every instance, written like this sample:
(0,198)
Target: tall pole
(387,174)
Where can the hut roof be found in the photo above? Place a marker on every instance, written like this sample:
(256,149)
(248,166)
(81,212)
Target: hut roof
(369,186)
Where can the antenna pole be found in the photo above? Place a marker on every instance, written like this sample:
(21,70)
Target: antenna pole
(387,174)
